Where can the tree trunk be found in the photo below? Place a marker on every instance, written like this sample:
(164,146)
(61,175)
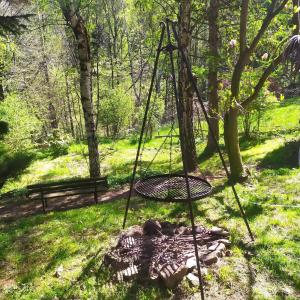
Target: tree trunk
(185,92)
(1,90)
(213,97)
(69,106)
(52,116)
(296,17)
(231,117)
(77,24)
(231,137)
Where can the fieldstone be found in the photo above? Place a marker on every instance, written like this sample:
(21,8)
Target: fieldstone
(225,233)
(221,247)
(204,271)
(225,242)
(206,239)
(59,271)
(152,227)
(180,230)
(213,247)
(166,224)
(216,230)
(210,258)
(172,274)
(135,231)
(167,228)
(191,263)
(219,231)
(188,231)
(200,229)
(220,250)
(194,280)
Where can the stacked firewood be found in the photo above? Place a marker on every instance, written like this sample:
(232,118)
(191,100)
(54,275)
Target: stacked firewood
(162,250)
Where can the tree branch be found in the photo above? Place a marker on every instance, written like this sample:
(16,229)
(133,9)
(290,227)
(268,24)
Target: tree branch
(243,25)
(262,80)
(245,55)
(269,17)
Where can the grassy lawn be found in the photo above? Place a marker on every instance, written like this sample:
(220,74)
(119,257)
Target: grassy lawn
(32,248)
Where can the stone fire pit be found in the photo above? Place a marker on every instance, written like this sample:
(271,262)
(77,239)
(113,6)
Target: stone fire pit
(165,251)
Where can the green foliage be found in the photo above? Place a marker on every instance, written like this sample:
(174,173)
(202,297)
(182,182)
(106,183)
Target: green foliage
(116,111)
(24,126)
(78,239)
(13,164)
(4,128)
(154,115)
(252,115)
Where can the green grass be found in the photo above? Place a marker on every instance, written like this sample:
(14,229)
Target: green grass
(32,248)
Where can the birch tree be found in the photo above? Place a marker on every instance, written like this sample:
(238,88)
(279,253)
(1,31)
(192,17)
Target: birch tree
(76,22)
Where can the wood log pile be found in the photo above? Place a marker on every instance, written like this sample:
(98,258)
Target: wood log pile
(163,250)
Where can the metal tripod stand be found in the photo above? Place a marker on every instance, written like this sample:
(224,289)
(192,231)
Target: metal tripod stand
(169,28)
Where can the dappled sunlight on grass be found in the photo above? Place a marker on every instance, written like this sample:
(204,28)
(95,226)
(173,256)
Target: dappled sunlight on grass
(32,248)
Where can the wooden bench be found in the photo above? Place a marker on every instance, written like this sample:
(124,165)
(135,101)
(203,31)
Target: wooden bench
(45,191)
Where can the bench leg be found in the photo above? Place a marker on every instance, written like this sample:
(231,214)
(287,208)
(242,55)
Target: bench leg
(96,197)
(43,203)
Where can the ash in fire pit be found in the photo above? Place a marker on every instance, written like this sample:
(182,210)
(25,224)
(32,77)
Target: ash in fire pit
(162,250)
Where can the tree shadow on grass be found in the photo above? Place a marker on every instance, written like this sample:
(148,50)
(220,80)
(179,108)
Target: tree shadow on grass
(53,151)
(285,156)
(106,285)
(252,210)
(249,142)
(13,164)
(273,257)
(279,263)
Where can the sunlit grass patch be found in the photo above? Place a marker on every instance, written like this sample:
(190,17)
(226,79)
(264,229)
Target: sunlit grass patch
(32,248)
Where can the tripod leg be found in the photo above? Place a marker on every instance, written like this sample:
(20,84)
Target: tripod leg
(185,169)
(190,74)
(144,122)
(196,250)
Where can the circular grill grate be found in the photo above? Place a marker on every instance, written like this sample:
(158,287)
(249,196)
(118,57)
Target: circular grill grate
(172,188)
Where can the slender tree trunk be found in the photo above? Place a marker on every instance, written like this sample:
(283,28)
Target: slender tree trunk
(231,133)
(133,81)
(231,117)
(77,24)
(296,18)
(185,91)
(69,106)
(77,128)
(1,90)
(98,90)
(231,138)
(213,97)
(52,116)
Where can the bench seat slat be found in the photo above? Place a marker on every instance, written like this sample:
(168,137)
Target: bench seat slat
(65,194)
(70,182)
(45,191)
(68,186)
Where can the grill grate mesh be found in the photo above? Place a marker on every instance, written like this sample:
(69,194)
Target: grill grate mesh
(172,188)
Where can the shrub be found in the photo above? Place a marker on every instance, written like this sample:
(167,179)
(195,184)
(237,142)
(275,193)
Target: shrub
(116,111)
(23,125)
(3,128)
